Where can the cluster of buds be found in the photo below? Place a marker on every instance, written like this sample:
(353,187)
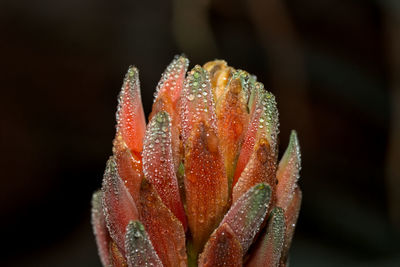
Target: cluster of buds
(201,184)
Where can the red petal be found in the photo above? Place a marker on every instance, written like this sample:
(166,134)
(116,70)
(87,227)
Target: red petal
(291,216)
(288,172)
(117,259)
(165,231)
(171,82)
(100,229)
(159,166)
(130,168)
(168,94)
(268,249)
(247,214)
(119,207)
(206,184)
(261,168)
(233,119)
(139,249)
(263,125)
(197,102)
(222,249)
(131,123)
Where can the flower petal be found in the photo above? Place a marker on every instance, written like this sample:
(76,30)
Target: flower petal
(139,250)
(171,82)
(159,166)
(130,168)
(164,229)
(288,172)
(119,207)
(261,168)
(233,118)
(248,213)
(268,249)
(291,216)
(220,74)
(100,228)
(222,249)
(263,125)
(206,184)
(117,259)
(131,123)
(197,102)
(167,99)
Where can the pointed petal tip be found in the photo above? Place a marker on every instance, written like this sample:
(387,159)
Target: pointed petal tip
(99,228)
(118,205)
(222,249)
(248,213)
(131,122)
(158,165)
(139,249)
(295,145)
(267,250)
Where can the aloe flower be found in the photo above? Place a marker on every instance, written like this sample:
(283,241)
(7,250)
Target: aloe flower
(200,185)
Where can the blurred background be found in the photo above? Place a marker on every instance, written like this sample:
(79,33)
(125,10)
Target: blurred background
(334,66)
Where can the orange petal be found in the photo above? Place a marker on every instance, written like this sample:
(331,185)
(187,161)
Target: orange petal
(268,249)
(117,259)
(167,99)
(288,172)
(260,169)
(130,168)
(171,82)
(264,124)
(158,164)
(248,213)
(291,216)
(139,249)
(197,102)
(222,249)
(206,185)
(164,229)
(100,229)
(220,74)
(131,123)
(233,118)
(119,207)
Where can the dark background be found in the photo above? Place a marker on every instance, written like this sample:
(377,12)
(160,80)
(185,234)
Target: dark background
(333,65)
